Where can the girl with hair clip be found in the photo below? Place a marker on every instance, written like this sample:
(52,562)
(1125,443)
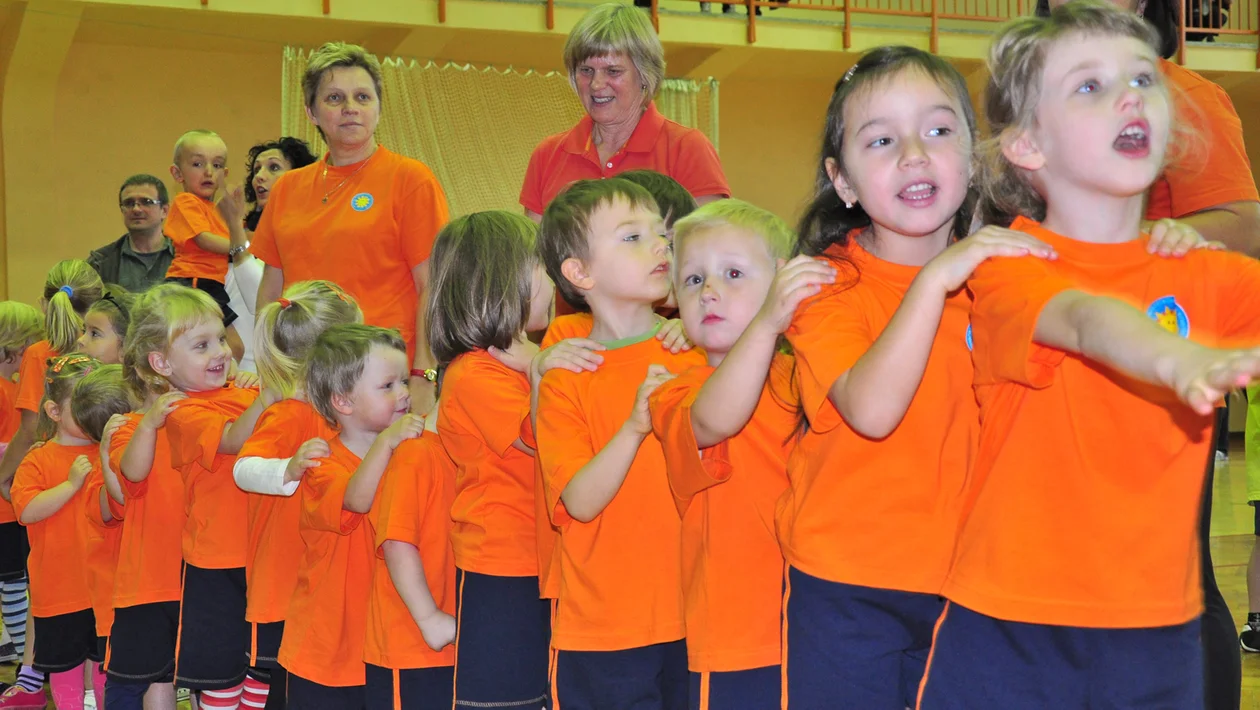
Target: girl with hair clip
(179,336)
(105,326)
(1096,376)
(488,289)
(47,493)
(289,438)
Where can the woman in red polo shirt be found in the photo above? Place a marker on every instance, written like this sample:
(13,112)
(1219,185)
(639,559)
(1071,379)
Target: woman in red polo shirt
(616,64)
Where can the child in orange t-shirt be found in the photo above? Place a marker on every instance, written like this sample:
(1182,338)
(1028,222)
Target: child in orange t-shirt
(96,399)
(619,621)
(20,325)
(726,431)
(485,263)
(176,335)
(409,648)
(357,378)
(207,236)
(1096,376)
(47,495)
(289,437)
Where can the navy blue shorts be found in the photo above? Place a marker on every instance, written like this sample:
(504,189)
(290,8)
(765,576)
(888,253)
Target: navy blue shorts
(982,663)
(503,641)
(303,694)
(65,641)
(410,688)
(142,644)
(213,648)
(14,549)
(648,677)
(265,645)
(855,647)
(736,690)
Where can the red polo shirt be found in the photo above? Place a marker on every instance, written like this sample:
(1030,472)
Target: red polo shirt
(657,143)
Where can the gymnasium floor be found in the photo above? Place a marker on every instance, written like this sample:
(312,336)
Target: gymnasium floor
(1232,535)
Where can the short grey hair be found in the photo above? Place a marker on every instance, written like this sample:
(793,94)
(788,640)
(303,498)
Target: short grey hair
(612,29)
(331,56)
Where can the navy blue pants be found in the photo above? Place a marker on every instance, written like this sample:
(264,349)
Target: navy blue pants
(648,678)
(738,690)
(855,647)
(410,688)
(502,643)
(982,663)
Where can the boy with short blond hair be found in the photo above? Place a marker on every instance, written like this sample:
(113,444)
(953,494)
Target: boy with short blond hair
(619,622)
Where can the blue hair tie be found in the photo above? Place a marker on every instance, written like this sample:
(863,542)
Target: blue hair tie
(67,290)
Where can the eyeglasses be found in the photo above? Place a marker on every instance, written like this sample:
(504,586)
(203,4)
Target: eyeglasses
(133,202)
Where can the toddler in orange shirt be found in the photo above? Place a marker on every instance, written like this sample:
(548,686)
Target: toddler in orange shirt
(619,621)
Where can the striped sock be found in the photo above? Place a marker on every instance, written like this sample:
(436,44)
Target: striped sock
(229,699)
(254,696)
(13,606)
(30,680)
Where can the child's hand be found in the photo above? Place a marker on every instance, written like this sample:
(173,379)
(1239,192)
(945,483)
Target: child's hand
(1207,378)
(952,267)
(795,281)
(409,426)
(246,380)
(307,456)
(640,421)
(438,630)
(1170,238)
(573,354)
(232,204)
(79,471)
(107,434)
(673,337)
(518,356)
(155,418)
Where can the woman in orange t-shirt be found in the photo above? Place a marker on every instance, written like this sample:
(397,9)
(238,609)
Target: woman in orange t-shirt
(486,263)
(362,217)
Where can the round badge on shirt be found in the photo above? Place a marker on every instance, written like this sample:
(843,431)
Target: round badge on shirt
(361,202)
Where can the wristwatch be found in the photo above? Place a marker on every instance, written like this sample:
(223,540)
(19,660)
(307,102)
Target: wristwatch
(236,251)
(429,374)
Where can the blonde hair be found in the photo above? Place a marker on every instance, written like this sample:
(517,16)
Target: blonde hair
(331,56)
(337,360)
(191,136)
(71,287)
(20,325)
(286,330)
(99,395)
(161,315)
(612,29)
(778,237)
(60,377)
(1016,65)
(480,280)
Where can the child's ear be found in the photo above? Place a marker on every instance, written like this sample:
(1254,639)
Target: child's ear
(159,363)
(53,411)
(840,182)
(575,271)
(176,175)
(1022,151)
(342,405)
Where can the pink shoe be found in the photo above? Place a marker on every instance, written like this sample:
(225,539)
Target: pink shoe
(18,698)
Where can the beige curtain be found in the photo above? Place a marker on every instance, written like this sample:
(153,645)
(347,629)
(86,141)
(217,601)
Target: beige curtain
(476,128)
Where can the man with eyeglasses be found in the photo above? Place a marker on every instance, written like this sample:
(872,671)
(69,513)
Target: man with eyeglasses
(140,257)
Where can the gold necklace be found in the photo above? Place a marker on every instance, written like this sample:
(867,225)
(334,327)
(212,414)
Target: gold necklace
(347,178)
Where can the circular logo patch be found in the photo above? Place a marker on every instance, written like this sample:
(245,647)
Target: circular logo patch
(361,202)
(1170,316)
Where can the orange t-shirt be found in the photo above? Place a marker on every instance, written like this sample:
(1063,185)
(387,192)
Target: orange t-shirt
(10,419)
(215,534)
(1087,509)
(100,540)
(620,583)
(191,215)
(657,143)
(884,513)
(30,390)
(274,546)
(150,555)
(415,502)
(367,237)
(327,620)
(56,565)
(726,494)
(1215,170)
(483,405)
